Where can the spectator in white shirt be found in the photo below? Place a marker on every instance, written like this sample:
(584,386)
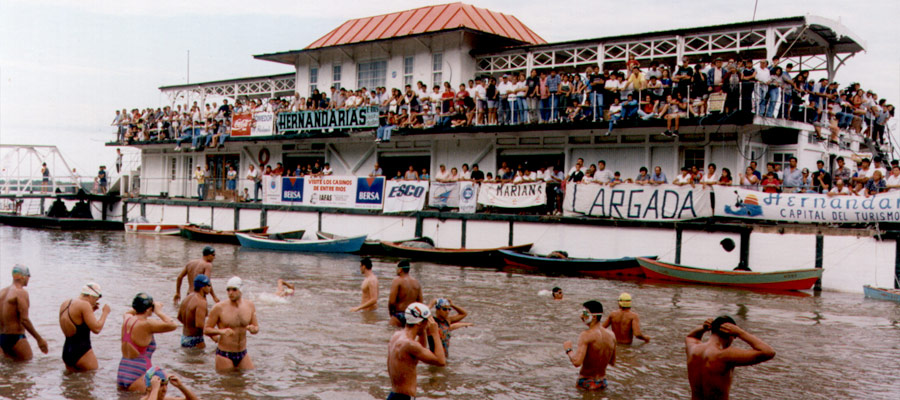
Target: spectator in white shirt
(839,189)
(893,181)
(443,175)
(685,178)
(603,175)
(711,177)
(326,169)
(465,175)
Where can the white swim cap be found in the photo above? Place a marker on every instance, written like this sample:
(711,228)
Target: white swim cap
(234,282)
(92,289)
(416,313)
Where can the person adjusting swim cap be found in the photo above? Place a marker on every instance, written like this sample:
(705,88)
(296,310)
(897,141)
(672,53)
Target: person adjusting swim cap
(209,250)
(625,300)
(441,303)
(142,302)
(234,283)
(416,313)
(201,281)
(92,289)
(20,269)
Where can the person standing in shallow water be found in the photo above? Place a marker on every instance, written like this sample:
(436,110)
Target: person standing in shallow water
(231,319)
(192,313)
(14,320)
(196,267)
(405,290)
(406,348)
(596,349)
(139,343)
(711,364)
(369,287)
(626,325)
(77,321)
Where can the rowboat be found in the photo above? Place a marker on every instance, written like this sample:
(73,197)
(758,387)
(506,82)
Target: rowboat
(371,246)
(337,245)
(609,267)
(194,232)
(882,294)
(420,250)
(798,279)
(146,228)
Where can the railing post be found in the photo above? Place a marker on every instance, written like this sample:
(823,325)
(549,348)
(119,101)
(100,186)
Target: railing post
(744,262)
(510,233)
(463,234)
(820,244)
(678,233)
(237,218)
(262,217)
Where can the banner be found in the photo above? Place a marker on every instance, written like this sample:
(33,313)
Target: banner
(241,124)
(468,194)
(638,202)
(513,195)
(330,191)
(344,118)
(369,192)
(271,189)
(292,190)
(806,207)
(444,195)
(263,124)
(400,196)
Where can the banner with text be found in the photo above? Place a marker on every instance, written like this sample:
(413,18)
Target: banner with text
(468,195)
(271,189)
(444,195)
(330,191)
(806,207)
(638,202)
(343,118)
(400,196)
(263,124)
(513,195)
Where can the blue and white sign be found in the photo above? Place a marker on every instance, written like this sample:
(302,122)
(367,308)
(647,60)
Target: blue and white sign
(444,195)
(292,190)
(806,207)
(468,196)
(400,196)
(369,192)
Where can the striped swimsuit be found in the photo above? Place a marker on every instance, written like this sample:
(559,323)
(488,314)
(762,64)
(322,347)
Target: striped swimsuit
(132,369)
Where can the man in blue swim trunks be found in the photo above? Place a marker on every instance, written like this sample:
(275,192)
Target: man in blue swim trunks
(192,313)
(231,319)
(596,349)
(405,290)
(14,319)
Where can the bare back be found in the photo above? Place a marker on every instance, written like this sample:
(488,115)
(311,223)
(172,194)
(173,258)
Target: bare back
(601,352)
(401,364)
(192,314)
(197,267)
(405,290)
(70,314)
(709,375)
(370,291)
(621,322)
(10,319)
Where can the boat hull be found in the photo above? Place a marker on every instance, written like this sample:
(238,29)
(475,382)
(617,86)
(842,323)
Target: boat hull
(212,236)
(801,279)
(371,247)
(880,294)
(152,229)
(39,221)
(339,245)
(450,256)
(613,267)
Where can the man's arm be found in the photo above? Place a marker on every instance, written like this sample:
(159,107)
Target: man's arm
(208,273)
(607,322)
(695,336)
(200,316)
(741,357)
(371,287)
(181,276)
(253,327)
(212,321)
(576,357)
(22,304)
(636,329)
(421,352)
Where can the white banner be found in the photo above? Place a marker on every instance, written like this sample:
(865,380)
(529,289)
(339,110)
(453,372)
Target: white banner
(402,196)
(444,195)
(638,202)
(328,191)
(806,207)
(468,194)
(513,195)
(263,124)
(271,189)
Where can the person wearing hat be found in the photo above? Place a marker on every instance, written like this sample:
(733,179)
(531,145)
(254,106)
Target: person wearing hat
(626,325)
(14,319)
(231,319)
(158,386)
(405,350)
(77,321)
(196,267)
(192,313)
(596,349)
(138,341)
(447,323)
(405,290)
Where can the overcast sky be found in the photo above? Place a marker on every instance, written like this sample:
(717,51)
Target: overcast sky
(66,66)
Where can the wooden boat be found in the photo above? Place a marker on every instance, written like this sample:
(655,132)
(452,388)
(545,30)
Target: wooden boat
(194,232)
(40,221)
(420,250)
(609,267)
(372,246)
(799,279)
(338,245)
(882,294)
(146,228)
(282,235)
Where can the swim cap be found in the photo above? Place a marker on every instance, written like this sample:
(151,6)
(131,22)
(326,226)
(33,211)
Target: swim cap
(593,306)
(92,289)
(404,264)
(200,281)
(20,269)
(154,371)
(416,313)
(625,300)
(441,303)
(717,323)
(208,250)
(234,282)
(142,302)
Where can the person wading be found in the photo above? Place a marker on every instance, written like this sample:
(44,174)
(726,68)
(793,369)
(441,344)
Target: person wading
(192,314)
(196,267)
(77,321)
(596,349)
(407,348)
(232,319)
(369,287)
(405,290)
(626,324)
(14,319)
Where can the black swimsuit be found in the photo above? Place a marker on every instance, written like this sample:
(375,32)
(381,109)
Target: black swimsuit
(77,345)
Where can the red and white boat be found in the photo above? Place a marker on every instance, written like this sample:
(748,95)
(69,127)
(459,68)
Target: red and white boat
(149,228)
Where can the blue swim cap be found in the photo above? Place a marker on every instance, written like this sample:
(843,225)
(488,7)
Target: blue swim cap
(441,303)
(201,281)
(154,371)
(20,269)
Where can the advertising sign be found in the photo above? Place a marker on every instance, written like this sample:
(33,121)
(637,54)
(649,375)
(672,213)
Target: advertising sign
(513,195)
(343,118)
(400,196)
(806,207)
(241,124)
(444,195)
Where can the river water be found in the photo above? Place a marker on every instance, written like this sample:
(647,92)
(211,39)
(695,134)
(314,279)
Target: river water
(830,346)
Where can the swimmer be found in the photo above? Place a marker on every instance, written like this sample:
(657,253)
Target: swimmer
(596,349)
(138,343)
(232,319)
(626,324)
(405,290)
(446,322)
(77,321)
(157,387)
(711,363)
(196,267)
(406,349)
(192,313)
(14,321)
(557,293)
(369,287)
(284,289)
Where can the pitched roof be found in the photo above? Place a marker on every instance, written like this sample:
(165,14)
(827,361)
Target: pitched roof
(428,19)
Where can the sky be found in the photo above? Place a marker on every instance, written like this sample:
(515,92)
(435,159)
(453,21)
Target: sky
(66,66)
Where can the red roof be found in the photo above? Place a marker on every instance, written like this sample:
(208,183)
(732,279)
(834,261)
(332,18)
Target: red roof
(428,19)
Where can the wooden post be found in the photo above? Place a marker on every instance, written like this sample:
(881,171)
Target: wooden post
(418,225)
(125,212)
(237,218)
(262,217)
(510,233)
(42,206)
(820,244)
(320,221)
(744,262)
(144,210)
(897,266)
(212,217)
(678,232)
(188,215)
(463,235)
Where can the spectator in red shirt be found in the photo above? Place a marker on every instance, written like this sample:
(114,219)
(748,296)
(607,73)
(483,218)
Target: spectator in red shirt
(771,183)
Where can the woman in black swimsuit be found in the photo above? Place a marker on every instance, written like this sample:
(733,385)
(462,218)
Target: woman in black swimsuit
(77,321)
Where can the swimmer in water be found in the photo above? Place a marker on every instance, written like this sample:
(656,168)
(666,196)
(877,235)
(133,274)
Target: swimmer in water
(284,289)
(14,321)
(447,323)
(158,386)
(626,324)
(369,287)
(596,349)
(405,290)
(192,313)
(557,293)
(196,267)
(77,321)
(232,319)
(406,349)
(138,343)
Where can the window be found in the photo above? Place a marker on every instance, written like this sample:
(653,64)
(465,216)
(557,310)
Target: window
(336,77)
(694,157)
(371,74)
(408,70)
(174,170)
(437,68)
(784,159)
(313,79)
